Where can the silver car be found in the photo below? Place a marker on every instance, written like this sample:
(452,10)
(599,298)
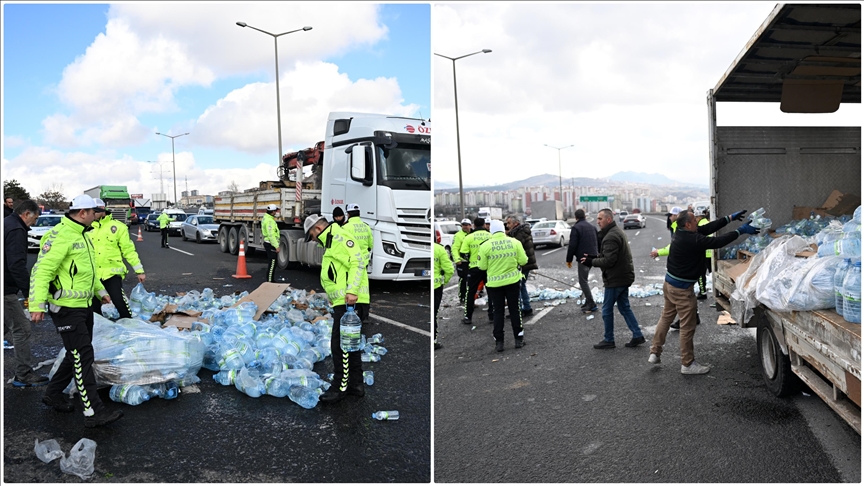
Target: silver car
(199,228)
(551,233)
(42,225)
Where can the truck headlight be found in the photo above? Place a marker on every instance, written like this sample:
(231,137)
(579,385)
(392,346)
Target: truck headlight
(390,249)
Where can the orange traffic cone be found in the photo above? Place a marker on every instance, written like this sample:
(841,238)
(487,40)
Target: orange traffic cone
(241,263)
(140,238)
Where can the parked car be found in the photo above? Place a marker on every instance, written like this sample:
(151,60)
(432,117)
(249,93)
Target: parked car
(150,224)
(633,221)
(44,223)
(622,215)
(555,233)
(177,217)
(533,221)
(199,228)
(446,230)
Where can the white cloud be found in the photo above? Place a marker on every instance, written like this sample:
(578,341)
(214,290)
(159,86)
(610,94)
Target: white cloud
(245,118)
(14,141)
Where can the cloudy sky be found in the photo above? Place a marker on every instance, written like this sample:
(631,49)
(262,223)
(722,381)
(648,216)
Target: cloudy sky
(85,87)
(625,83)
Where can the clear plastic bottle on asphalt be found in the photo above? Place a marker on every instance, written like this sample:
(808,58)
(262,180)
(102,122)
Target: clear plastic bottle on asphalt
(277,387)
(349,331)
(225,377)
(386,415)
(376,339)
(129,394)
(368,378)
(852,294)
(370,358)
(303,396)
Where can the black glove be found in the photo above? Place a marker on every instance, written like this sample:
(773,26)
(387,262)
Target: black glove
(746,228)
(737,216)
(588,261)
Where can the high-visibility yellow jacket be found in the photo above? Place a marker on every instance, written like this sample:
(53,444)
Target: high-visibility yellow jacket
(342,268)
(163,219)
(470,245)
(361,233)
(270,230)
(665,250)
(458,238)
(65,271)
(112,244)
(709,252)
(501,256)
(443,266)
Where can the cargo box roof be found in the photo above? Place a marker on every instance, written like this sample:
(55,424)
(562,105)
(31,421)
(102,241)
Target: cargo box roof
(800,52)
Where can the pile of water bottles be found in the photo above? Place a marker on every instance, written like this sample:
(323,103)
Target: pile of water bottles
(555,297)
(841,240)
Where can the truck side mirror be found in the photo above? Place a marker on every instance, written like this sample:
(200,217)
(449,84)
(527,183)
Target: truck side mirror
(360,160)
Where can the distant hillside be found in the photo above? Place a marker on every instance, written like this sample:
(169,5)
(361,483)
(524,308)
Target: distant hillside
(550,180)
(642,177)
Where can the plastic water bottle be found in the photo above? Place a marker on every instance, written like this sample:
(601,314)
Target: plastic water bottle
(277,387)
(349,331)
(376,339)
(839,274)
(656,259)
(852,294)
(138,293)
(368,378)
(370,358)
(303,396)
(386,415)
(129,394)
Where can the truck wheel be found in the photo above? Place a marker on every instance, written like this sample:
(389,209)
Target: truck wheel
(776,367)
(233,241)
(223,239)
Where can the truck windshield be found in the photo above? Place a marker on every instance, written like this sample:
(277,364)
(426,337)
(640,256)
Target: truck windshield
(408,166)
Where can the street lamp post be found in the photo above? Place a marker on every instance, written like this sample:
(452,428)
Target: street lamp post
(456,102)
(278,109)
(173,162)
(560,185)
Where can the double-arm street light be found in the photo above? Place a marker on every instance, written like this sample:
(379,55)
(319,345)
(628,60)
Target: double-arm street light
(278,110)
(560,185)
(173,162)
(161,184)
(456,102)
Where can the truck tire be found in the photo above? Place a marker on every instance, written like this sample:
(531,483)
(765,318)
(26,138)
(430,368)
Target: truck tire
(223,239)
(282,258)
(233,241)
(776,366)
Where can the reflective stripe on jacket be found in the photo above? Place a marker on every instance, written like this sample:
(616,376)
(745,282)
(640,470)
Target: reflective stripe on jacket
(361,233)
(708,253)
(443,266)
(270,230)
(342,267)
(65,271)
(112,244)
(501,256)
(471,244)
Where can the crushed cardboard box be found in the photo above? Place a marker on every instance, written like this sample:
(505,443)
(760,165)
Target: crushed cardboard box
(837,204)
(264,296)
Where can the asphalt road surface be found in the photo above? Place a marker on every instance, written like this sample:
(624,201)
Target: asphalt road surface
(214,433)
(558,410)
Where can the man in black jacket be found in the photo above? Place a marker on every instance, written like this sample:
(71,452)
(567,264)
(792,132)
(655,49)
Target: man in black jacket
(583,241)
(7,207)
(685,264)
(522,233)
(618,275)
(16,277)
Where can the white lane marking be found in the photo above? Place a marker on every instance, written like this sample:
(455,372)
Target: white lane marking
(399,324)
(450,287)
(181,251)
(552,251)
(539,315)
(658,219)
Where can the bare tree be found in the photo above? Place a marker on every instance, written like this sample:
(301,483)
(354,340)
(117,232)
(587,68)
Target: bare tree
(233,187)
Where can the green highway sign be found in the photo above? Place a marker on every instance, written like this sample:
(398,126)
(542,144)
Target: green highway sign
(593,198)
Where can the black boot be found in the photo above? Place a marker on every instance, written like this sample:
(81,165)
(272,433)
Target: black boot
(102,417)
(332,395)
(356,389)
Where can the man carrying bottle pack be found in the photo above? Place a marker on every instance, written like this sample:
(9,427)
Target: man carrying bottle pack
(63,282)
(344,278)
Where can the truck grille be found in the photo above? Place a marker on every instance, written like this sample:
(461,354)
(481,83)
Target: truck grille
(415,228)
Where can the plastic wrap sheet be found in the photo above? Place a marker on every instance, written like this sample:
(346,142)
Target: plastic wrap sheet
(801,284)
(131,351)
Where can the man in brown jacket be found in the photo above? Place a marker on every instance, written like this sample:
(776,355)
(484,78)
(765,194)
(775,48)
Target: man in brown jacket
(617,264)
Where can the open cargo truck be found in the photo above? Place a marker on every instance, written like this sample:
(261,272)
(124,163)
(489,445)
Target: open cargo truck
(808,58)
(382,163)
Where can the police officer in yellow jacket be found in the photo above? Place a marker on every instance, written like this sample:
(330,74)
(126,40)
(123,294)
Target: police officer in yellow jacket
(461,264)
(442,269)
(476,276)
(360,232)
(112,244)
(270,234)
(63,282)
(500,257)
(344,278)
(164,220)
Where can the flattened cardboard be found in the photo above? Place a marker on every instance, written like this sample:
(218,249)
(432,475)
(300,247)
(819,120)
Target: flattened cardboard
(839,204)
(180,321)
(264,296)
(737,270)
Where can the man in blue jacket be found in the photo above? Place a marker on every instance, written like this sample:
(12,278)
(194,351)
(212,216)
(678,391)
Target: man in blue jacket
(583,241)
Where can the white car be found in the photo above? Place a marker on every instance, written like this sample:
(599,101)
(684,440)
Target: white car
(555,233)
(177,217)
(42,226)
(199,228)
(446,230)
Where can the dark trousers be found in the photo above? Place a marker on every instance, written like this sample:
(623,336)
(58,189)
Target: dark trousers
(497,295)
(583,284)
(75,327)
(164,232)
(271,257)
(462,271)
(347,367)
(475,278)
(114,287)
(438,294)
(703,279)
